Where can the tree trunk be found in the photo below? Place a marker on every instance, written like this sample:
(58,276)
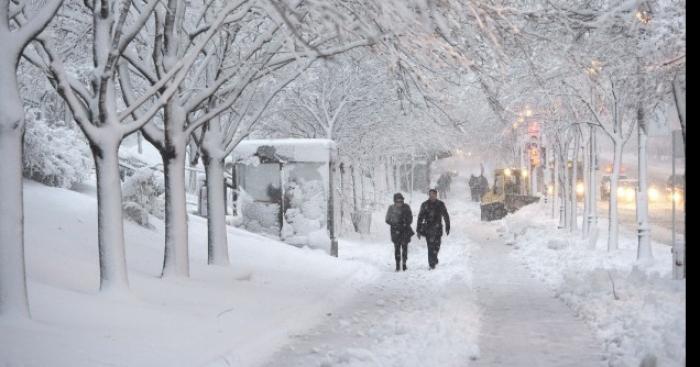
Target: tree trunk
(555,183)
(592,218)
(612,209)
(679,99)
(387,175)
(585,224)
(397,176)
(13,285)
(564,185)
(110,221)
(363,198)
(413,177)
(355,201)
(643,229)
(573,217)
(216,212)
(176,257)
(373,180)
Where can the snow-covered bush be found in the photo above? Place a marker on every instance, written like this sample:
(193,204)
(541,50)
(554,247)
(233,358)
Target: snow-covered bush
(54,154)
(305,217)
(143,195)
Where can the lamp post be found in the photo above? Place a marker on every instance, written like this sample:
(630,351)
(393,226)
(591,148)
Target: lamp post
(643,228)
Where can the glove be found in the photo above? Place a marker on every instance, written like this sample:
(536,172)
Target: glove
(447,231)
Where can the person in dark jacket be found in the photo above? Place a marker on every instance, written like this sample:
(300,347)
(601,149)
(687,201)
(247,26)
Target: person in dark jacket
(430,217)
(483,186)
(399,218)
(474,188)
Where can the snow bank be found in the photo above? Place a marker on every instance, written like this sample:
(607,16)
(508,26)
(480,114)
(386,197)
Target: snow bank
(637,309)
(243,312)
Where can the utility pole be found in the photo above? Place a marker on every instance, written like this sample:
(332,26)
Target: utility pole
(678,247)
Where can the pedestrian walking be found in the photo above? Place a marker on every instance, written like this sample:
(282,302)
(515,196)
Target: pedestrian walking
(432,212)
(443,184)
(483,184)
(399,218)
(474,188)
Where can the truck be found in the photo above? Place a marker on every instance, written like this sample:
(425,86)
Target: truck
(508,194)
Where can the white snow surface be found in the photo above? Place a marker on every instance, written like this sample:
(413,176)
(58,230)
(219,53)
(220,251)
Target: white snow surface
(646,313)
(414,318)
(486,304)
(242,312)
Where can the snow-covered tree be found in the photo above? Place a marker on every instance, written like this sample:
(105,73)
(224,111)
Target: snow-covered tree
(95,103)
(15,35)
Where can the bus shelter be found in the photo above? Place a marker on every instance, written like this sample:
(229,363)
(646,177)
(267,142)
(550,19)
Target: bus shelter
(284,188)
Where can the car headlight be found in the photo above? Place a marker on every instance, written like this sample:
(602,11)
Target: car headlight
(621,192)
(629,194)
(677,196)
(579,188)
(653,194)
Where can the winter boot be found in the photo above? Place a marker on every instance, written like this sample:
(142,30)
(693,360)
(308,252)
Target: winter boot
(398,265)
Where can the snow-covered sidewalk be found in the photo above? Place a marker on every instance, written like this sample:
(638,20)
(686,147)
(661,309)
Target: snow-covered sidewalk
(522,323)
(635,308)
(412,318)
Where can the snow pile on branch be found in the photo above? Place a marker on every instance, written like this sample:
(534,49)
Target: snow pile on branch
(636,308)
(54,154)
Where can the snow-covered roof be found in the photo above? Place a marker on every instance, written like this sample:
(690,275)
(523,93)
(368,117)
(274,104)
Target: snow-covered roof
(293,150)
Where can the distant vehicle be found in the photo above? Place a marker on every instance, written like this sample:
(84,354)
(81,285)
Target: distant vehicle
(676,194)
(605,187)
(678,180)
(627,190)
(580,190)
(507,195)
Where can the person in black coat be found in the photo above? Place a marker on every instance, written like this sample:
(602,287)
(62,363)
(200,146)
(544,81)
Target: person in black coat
(483,186)
(474,188)
(430,217)
(399,217)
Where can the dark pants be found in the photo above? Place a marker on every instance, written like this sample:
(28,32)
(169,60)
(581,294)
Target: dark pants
(433,249)
(400,252)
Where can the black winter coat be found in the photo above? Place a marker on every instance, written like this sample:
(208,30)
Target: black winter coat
(430,218)
(400,219)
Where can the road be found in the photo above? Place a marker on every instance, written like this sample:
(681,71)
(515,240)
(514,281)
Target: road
(659,219)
